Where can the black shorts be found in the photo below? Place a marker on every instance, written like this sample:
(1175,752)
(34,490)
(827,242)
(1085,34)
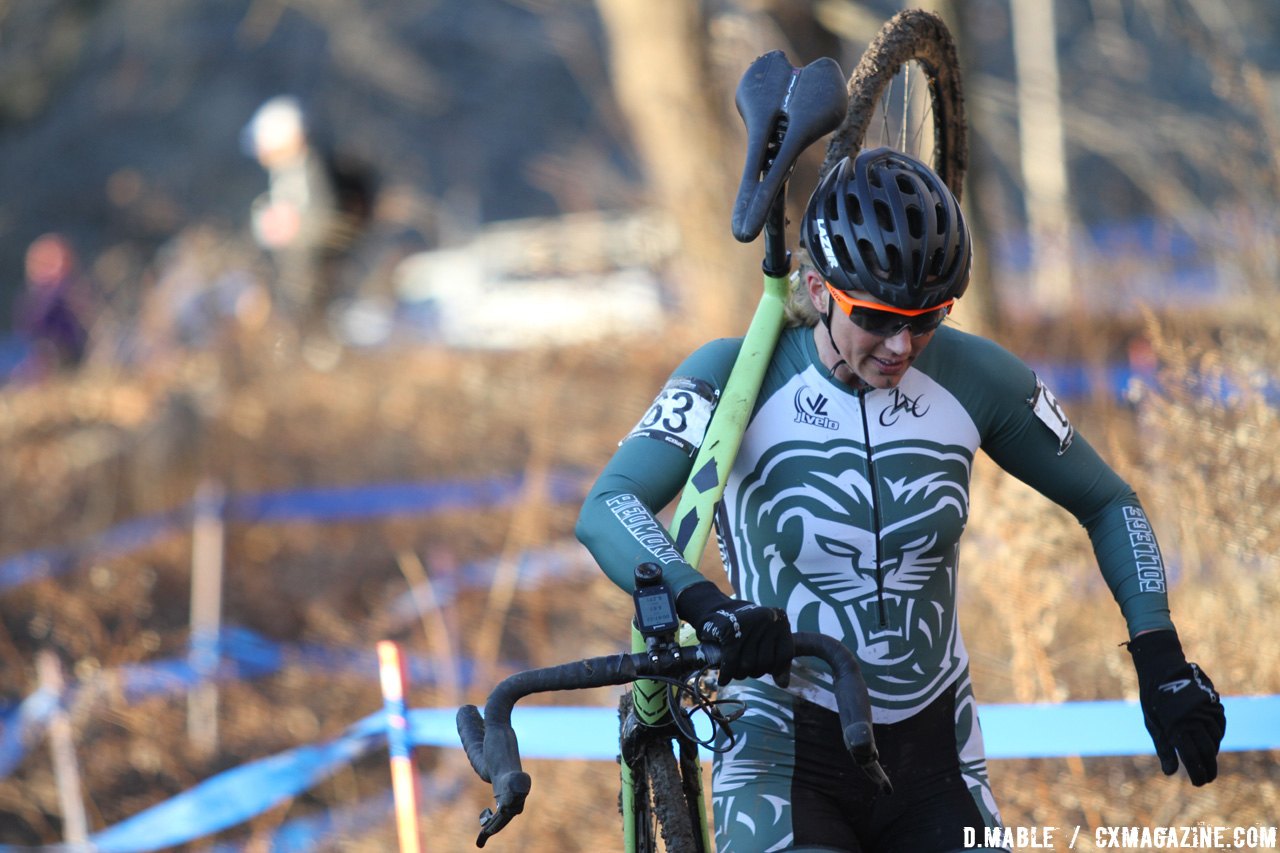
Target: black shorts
(788,782)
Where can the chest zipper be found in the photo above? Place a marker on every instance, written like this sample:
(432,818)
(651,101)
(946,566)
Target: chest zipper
(875,510)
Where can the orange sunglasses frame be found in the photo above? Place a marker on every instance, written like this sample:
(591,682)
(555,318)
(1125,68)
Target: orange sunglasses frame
(847,303)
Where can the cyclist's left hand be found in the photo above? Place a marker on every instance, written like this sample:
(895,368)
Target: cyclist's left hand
(1180,707)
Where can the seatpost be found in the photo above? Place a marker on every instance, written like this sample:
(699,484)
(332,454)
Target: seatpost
(777,258)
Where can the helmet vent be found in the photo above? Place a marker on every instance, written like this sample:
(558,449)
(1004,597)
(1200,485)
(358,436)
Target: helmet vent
(884,218)
(906,185)
(855,209)
(872,262)
(915,222)
(843,254)
(895,263)
(936,261)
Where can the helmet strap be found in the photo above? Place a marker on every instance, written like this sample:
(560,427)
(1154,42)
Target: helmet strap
(826,323)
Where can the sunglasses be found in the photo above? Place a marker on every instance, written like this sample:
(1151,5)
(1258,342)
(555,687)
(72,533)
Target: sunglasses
(885,321)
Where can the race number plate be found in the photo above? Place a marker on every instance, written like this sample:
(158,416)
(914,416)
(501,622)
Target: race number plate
(679,415)
(1050,412)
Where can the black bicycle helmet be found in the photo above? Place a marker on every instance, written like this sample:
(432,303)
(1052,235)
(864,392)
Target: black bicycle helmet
(886,224)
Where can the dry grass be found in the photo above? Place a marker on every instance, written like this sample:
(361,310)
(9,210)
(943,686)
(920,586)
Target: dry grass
(1042,627)
(106,446)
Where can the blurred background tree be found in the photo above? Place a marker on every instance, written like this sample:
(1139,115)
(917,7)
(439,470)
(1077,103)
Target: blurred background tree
(121,120)
(122,129)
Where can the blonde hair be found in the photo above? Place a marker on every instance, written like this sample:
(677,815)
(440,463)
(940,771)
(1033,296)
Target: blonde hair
(799,311)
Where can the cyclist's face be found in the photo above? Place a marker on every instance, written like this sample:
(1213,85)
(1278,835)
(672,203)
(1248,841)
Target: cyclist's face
(870,359)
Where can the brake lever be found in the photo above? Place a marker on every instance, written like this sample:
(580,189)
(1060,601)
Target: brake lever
(491,823)
(510,796)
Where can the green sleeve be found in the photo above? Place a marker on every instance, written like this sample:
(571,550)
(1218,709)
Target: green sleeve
(1123,541)
(618,523)
(1065,468)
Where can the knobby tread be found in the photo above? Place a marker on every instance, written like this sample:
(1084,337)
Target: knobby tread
(922,37)
(660,796)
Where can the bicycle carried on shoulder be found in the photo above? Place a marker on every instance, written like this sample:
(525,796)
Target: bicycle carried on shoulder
(905,93)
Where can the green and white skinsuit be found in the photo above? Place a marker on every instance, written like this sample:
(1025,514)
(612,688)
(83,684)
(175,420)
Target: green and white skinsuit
(846,508)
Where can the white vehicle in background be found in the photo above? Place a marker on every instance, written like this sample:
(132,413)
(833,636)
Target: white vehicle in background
(527,283)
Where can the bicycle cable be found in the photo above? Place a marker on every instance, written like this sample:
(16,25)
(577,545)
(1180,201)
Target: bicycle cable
(682,716)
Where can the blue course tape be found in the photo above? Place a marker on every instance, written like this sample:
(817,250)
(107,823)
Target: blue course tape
(1112,728)
(325,504)
(540,729)
(236,795)
(336,504)
(21,727)
(1009,731)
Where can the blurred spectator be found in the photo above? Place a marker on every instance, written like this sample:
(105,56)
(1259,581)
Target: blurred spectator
(315,208)
(51,316)
(204,289)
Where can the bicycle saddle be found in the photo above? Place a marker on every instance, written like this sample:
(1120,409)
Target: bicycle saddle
(785,110)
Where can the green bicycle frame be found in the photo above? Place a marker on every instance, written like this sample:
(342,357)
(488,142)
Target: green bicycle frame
(785,109)
(696,509)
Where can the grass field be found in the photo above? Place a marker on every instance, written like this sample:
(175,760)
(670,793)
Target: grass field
(86,452)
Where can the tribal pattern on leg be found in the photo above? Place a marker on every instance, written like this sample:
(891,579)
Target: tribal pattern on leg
(751,783)
(972,753)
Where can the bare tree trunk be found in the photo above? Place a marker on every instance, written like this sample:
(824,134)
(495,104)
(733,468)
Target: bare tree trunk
(1044,169)
(983,312)
(662,82)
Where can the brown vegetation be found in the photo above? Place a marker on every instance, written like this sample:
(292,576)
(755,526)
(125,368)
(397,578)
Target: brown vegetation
(81,454)
(85,452)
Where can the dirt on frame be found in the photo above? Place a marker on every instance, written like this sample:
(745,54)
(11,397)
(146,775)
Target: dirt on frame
(87,452)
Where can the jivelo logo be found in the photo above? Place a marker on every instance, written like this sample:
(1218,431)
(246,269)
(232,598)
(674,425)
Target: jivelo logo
(811,409)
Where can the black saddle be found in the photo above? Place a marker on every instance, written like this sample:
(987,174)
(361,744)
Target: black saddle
(785,110)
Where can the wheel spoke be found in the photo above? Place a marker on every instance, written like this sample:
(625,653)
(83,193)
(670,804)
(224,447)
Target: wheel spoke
(915,51)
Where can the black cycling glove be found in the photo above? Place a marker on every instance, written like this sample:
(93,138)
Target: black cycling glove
(753,640)
(1179,705)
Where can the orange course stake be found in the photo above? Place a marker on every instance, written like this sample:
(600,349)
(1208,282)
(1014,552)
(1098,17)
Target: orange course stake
(404,782)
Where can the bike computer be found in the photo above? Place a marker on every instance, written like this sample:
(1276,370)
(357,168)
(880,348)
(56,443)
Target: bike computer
(655,605)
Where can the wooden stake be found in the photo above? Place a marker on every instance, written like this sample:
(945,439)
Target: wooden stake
(404,782)
(208,536)
(66,771)
(434,628)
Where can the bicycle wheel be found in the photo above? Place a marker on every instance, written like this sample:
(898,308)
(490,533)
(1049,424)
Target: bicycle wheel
(906,94)
(661,802)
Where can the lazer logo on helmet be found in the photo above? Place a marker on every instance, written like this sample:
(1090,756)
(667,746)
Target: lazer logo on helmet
(825,241)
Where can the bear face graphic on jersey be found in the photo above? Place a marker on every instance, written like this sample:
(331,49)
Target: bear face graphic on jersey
(856,558)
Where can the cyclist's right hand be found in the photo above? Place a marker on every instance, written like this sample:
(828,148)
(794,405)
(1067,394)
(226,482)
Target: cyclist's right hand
(753,640)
